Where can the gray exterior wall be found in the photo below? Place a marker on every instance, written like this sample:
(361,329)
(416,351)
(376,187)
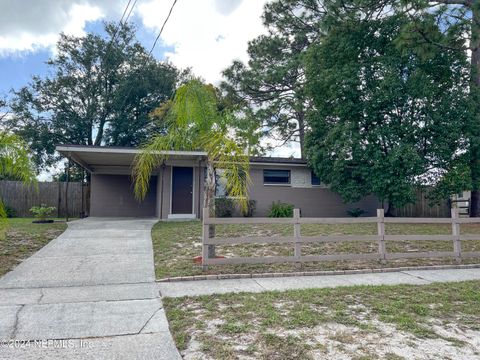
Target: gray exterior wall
(312,201)
(112,196)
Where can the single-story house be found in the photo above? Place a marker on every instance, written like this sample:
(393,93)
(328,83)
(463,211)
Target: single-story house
(177,187)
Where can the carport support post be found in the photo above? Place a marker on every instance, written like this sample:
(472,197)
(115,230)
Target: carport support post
(66,189)
(82,215)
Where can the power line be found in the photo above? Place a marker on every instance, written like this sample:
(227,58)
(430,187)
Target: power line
(163,26)
(122,22)
(125,10)
(142,65)
(130,12)
(123,19)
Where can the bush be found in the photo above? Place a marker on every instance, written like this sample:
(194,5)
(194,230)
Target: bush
(42,212)
(357,212)
(11,213)
(224,207)
(279,210)
(252,205)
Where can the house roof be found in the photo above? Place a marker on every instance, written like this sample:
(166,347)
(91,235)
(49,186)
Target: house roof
(118,160)
(277,160)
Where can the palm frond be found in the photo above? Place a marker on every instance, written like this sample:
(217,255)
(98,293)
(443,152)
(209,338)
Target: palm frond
(194,104)
(196,124)
(151,156)
(230,157)
(15,161)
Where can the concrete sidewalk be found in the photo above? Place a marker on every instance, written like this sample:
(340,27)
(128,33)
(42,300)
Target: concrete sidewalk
(89,294)
(416,277)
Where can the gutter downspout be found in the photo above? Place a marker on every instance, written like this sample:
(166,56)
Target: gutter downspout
(66,189)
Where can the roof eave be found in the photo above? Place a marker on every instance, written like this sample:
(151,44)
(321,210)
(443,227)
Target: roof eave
(69,149)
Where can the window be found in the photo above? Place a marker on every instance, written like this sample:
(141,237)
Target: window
(315,180)
(273,177)
(221,183)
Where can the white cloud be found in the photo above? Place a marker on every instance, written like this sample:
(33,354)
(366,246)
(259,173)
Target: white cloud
(28,25)
(290,149)
(206,35)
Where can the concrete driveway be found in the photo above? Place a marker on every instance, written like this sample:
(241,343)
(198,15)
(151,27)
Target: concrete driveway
(88,294)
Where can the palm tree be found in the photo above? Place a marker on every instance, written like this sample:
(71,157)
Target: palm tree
(195,123)
(15,163)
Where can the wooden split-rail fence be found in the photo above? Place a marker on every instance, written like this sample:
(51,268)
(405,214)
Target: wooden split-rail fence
(297,240)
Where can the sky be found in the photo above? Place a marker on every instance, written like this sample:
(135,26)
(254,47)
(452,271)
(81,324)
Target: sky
(205,35)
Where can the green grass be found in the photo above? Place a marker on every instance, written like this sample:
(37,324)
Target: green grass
(23,238)
(177,243)
(278,325)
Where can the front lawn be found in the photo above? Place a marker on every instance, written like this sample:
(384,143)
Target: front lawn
(439,321)
(23,239)
(175,245)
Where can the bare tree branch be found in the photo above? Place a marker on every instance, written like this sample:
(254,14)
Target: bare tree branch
(452,2)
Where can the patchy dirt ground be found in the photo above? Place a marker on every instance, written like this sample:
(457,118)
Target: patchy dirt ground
(23,238)
(438,321)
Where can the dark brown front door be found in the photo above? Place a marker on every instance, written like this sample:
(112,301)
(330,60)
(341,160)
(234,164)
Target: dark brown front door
(182,188)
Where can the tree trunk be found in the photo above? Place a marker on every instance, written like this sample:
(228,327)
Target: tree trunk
(301,134)
(475,89)
(209,202)
(99,137)
(390,209)
(474,201)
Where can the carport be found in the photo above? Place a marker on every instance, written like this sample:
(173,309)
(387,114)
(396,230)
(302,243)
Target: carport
(175,189)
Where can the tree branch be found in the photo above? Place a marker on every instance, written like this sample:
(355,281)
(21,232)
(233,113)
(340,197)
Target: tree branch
(442,46)
(452,2)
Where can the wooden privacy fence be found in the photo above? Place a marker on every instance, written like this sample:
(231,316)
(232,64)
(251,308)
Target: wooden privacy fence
(22,198)
(422,207)
(297,240)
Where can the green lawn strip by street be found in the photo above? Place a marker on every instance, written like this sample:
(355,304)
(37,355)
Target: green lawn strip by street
(363,322)
(175,244)
(23,238)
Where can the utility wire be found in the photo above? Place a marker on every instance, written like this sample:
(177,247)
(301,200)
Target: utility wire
(153,46)
(125,11)
(130,12)
(163,26)
(122,22)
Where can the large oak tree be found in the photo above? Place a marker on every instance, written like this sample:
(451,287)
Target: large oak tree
(386,114)
(448,25)
(99,90)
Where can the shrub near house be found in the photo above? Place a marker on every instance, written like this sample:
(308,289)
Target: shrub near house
(279,210)
(41,213)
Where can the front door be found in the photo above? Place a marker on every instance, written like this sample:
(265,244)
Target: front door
(182,188)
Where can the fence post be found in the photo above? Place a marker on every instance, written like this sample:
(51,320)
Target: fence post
(205,236)
(59,199)
(296,234)
(381,233)
(457,248)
